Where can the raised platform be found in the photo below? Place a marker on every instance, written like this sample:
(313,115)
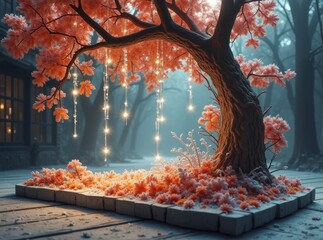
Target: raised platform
(209,219)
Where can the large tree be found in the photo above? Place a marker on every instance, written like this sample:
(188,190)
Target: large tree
(62,29)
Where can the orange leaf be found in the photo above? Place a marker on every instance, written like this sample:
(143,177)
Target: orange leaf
(86,88)
(60,113)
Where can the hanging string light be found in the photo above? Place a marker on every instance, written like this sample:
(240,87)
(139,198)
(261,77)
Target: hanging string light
(190,106)
(125,113)
(159,96)
(106,105)
(75,93)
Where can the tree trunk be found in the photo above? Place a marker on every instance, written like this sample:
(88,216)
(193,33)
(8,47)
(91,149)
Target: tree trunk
(306,143)
(241,135)
(93,119)
(134,108)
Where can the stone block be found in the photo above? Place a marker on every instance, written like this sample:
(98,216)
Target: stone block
(125,206)
(81,199)
(66,196)
(89,200)
(109,203)
(262,215)
(31,192)
(159,211)
(200,219)
(20,190)
(304,198)
(286,207)
(45,194)
(95,201)
(235,223)
(313,194)
(143,209)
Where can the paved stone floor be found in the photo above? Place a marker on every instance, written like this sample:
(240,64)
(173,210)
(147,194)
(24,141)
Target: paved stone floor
(23,218)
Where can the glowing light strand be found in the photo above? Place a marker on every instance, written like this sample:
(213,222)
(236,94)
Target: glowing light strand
(159,96)
(190,106)
(125,113)
(106,108)
(75,94)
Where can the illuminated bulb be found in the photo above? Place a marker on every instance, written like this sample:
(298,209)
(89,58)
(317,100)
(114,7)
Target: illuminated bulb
(162,119)
(106,151)
(157,138)
(109,60)
(157,62)
(157,72)
(158,157)
(190,107)
(107,130)
(74,74)
(106,107)
(123,70)
(126,103)
(75,92)
(125,115)
(106,87)
(75,23)
(190,79)
(2,106)
(75,135)
(162,100)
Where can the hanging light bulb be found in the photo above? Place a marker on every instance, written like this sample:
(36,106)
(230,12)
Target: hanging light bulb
(190,106)
(125,114)
(106,151)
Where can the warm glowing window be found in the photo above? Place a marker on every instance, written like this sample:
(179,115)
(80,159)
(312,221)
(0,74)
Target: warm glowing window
(11,109)
(42,125)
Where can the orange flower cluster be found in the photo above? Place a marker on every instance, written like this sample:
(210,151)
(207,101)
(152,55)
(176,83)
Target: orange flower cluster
(172,183)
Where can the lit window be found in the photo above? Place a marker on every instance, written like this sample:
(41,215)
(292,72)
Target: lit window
(11,109)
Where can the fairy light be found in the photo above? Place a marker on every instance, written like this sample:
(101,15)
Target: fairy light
(75,94)
(125,114)
(160,100)
(106,106)
(190,106)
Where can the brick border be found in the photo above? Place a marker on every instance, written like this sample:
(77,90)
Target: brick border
(234,224)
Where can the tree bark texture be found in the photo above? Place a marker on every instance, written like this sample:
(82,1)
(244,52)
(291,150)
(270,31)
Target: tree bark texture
(241,135)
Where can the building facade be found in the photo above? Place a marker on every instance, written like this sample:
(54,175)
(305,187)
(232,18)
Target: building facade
(27,137)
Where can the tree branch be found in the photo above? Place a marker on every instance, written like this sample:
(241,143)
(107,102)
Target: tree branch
(228,14)
(184,16)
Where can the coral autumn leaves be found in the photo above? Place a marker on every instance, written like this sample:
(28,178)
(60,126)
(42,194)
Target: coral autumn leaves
(172,183)
(275,127)
(60,113)
(58,33)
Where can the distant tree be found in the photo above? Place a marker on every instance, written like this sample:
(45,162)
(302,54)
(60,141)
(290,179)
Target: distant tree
(61,30)
(304,19)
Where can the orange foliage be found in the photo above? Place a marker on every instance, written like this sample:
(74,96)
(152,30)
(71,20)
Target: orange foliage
(86,88)
(188,187)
